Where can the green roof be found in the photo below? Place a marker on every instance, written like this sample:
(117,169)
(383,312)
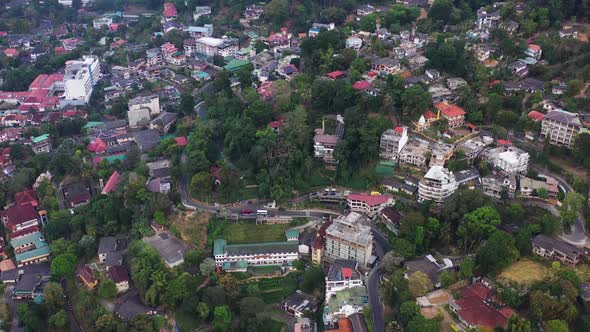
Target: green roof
(236,64)
(219,247)
(111,159)
(35,237)
(262,248)
(37,252)
(92,124)
(353,296)
(387,163)
(168,136)
(40,139)
(236,265)
(292,233)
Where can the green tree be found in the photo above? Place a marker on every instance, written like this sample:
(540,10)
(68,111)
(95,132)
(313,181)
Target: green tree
(516,324)
(477,226)
(441,10)
(63,266)
(312,278)
(207,267)
(408,311)
(107,289)
(222,319)
(571,207)
(54,296)
(277,11)
(467,267)
(557,325)
(203,310)
(497,253)
(542,193)
(59,320)
(107,323)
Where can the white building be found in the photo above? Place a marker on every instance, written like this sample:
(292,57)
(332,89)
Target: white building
(393,142)
(138,118)
(354,42)
(201,11)
(493,185)
(100,22)
(414,153)
(200,31)
(209,46)
(343,274)
(65,3)
(349,237)
(437,185)
(79,79)
(238,257)
(561,127)
(151,103)
(509,159)
(368,204)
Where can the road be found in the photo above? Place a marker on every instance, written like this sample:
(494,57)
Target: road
(381,248)
(577,236)
(74,325)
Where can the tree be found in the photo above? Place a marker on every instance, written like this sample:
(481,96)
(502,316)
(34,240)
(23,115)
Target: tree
(478,225)
(107,289)
(447,278)
(277,11)
(574,87)
(54,296)
(207,267)
(571,207)
(63,266)
(203,310)
(467,267)
(441,10)
(187,103)
(421,324)
(222,316)
(497,253)
(312,278)
(542,193)
(516,324)
(106,323)
(408,311)
(61,246)
(391,261)
(230,285)
(59,320)
(557,325)
(142,323)
(415,101)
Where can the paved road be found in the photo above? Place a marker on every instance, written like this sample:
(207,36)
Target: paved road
(381,248)
(74,325)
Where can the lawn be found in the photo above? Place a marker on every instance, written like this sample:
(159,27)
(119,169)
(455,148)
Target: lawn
(277,326)
(245,231)
(525,272)
(192,227)
(274,290)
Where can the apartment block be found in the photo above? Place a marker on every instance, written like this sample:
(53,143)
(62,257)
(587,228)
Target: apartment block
(437,185)
(561,127)
(349,237)
(393,142)
(80,78)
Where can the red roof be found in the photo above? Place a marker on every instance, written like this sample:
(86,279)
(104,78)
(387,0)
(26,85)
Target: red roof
(361,85)
(170,10)
(3,33)
(429,115)
(336,74)
(118,274)
(11,52)
(97,146)
(111,183)
(536,115)
(534,47)
(26,197)
(23,232)
(276,124)
(87,275)
(371,200)
(181,141)
(450,110)
(476,307)
(504,142)
(59,50)
(346,272)
(19,214)
(399,129)
(471,126)
(36,84)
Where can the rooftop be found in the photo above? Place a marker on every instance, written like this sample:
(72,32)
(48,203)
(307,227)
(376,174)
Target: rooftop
(343,269)
(168,246)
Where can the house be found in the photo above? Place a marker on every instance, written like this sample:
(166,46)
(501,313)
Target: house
(201,11)
(170,12)
(536,116)
(518,68)
(298,304)
(86,275)
(495,185)
(555,249)
(11,53)
(170,248)
(343,274)
(430,266)
(349,237)
(365,10)
(149,102)
(138,118)
(369,204)
(529,187)
(253,12)
(534,51)
(437,185)
(19,217)
(120,276)
(478,307)
(385,66)
(324,146)
(147,140)
(391,218)
(440,153)
(354,42)
(163,122)
(336,75)
(487,20)
(76,194)
(509,26)
(508,159)
(559,88)
(561,127)
(30,249)
(200,31)
(454,114)
(111,249)
(568,32)
(112,183)
(414,153)
(31,282)
(392,142)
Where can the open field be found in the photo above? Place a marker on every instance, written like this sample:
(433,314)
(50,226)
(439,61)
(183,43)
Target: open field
(245,231)
(192,228)
(274,290)
(525,272)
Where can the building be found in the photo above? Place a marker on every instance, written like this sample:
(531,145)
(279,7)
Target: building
(561,127)
(478,307)
(120,276)
(30,249)
(437,185)
(201,11)
(487,20)
(534,51)
(170,12)
(365,10)
(111,249)
(324,146)
(319,243)
(138,118)
(299,303)
(494,185)
(430,266)
(80,78)
(554,249)
(163,122)
(508,159)
(370,204)
(354,42)
(414,153)
(385,66)
(170,248)
(209,46)
(19,217)
(198,32)
(393,142)
(454,114)
(349,237)
(471,149)
(343,274)
(237,257)
(151,103)
(440,153)
(31,280)
(41,144)
(86,275)
(531,187)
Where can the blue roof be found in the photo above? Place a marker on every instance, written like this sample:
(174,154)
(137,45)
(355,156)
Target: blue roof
(38,252)
(35,237)
(288,70)
(197,29)
(314,30)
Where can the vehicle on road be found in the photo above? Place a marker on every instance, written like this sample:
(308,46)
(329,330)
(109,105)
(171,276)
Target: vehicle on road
(262,212)
(246,211)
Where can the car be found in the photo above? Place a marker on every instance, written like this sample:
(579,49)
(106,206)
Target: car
(282,209)
(246,211)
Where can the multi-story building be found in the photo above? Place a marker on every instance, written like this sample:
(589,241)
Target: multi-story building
(534,51)
(138,118)
(354,42)
(19,217)
(561,127)
(170,13)
(199,32)
(237,257)
(201,11)
(30,249)
(509,159)
(454,114)
(437,185)
(151,103)
(153,57)
(471,148)
(440,153)
(555,249)
(368,203)
(529,186)
(414,153)
(494,185)
(487,20)
(392,142)
(41,144)
(80,78)
(385,66)
(349,237)
(209,46)
(324,146)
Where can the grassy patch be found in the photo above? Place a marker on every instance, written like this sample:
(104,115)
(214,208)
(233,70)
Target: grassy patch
(525,272)
(274,290)
(368,318)
(258,270)
(245,232)
(276,326)
(583,272)
(192,228)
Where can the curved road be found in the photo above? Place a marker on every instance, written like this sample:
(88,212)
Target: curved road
(381,248)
